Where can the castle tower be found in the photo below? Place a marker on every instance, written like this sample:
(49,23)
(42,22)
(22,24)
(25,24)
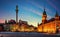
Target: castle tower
(16,13)
(44,16)
(56,16)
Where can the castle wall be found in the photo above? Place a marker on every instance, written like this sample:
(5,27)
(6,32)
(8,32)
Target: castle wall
(39,28)
(48,27)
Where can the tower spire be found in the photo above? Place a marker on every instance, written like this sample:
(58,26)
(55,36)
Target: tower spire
(44,12)
(56,14)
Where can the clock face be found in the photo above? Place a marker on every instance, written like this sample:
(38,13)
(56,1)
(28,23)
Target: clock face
(43,18)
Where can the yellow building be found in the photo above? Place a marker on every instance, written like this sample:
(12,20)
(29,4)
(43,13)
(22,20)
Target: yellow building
(21,28)
(49,26)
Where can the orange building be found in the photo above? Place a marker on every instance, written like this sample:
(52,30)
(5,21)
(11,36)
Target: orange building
(49,26)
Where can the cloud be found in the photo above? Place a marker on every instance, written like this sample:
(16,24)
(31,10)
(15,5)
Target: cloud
(49,11)
(54,6)
(49,17)
(36,12)
(37,5)
(32,10)
(41,7)
(2,21)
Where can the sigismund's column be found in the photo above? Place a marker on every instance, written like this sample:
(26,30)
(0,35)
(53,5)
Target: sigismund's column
(16,13)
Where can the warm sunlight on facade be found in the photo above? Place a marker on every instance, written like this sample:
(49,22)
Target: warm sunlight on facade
(49,26)
(23,28)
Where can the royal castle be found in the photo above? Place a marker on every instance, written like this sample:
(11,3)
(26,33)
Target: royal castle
(49,26)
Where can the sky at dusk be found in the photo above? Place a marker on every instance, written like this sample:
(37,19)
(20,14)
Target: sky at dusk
(29,10)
